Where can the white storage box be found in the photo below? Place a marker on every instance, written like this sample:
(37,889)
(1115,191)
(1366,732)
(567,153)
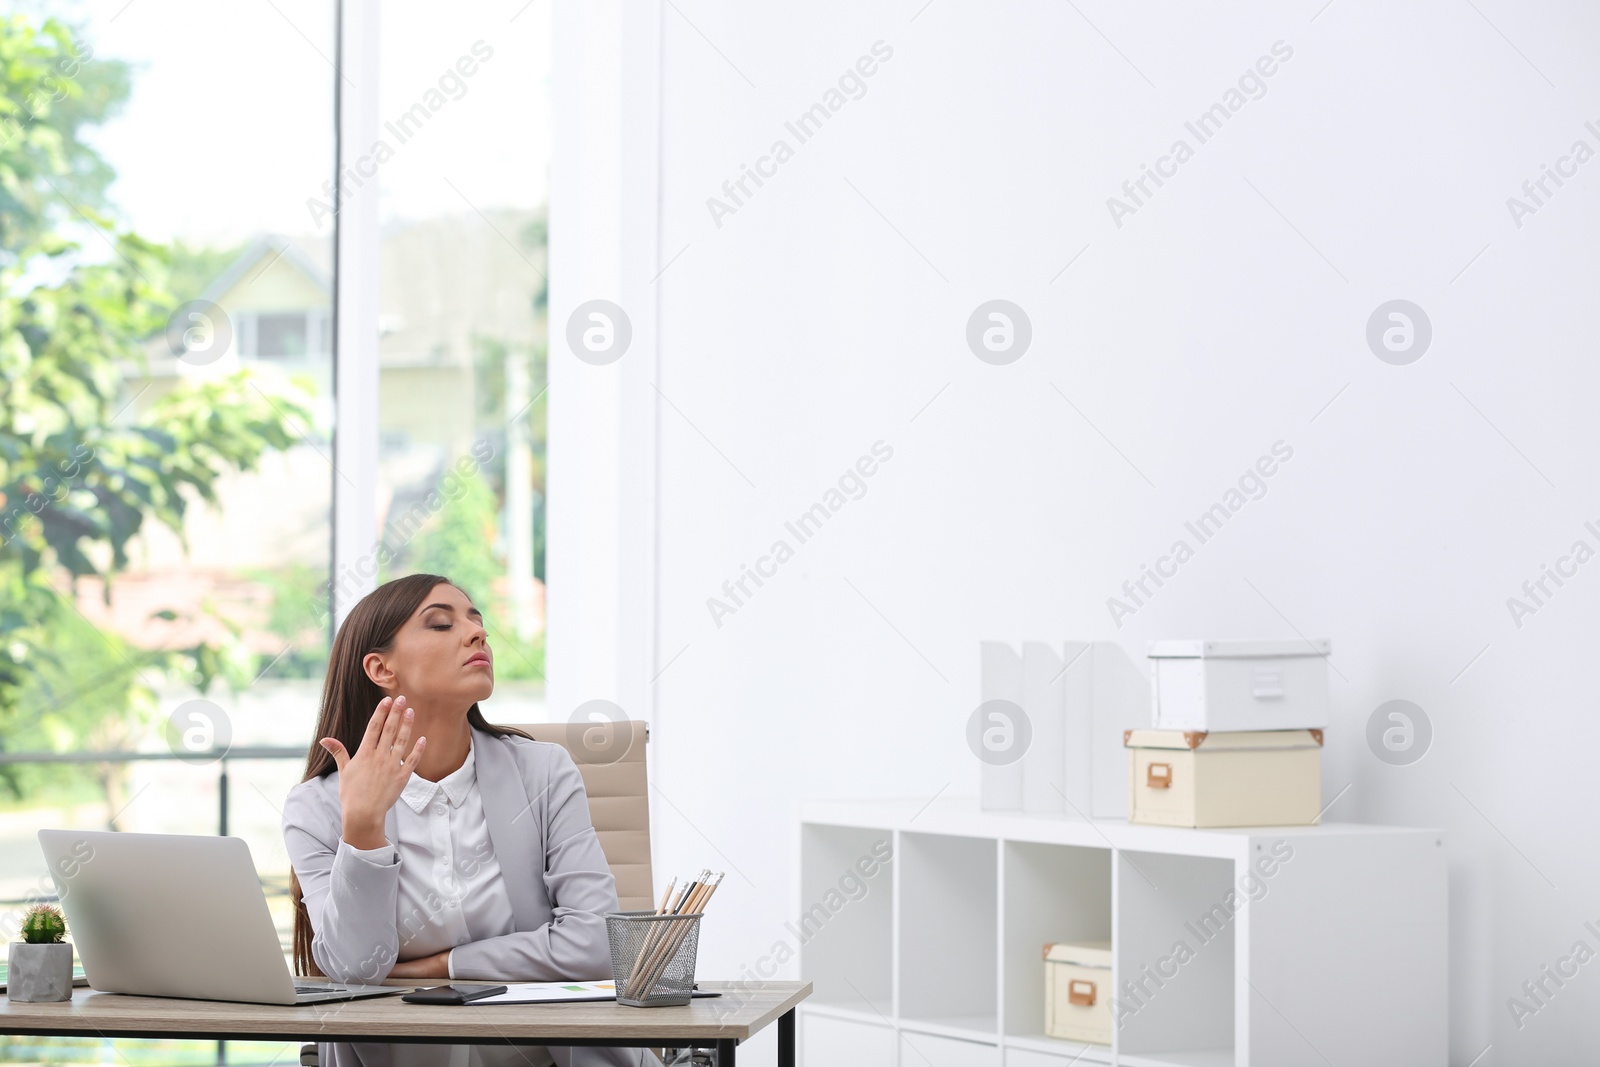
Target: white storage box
(1239,685)
(1077,991)
(1260,778)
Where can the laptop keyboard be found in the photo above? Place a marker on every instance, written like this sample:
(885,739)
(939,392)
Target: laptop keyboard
(319,989)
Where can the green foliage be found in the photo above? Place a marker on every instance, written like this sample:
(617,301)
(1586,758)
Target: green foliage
(515,662)
(536,236)
(82,466)
(86,466)
(458,540)
(193,267)
(145,1052)
(490,356)
(52,92)
(44,925)
(77,673)
(299,616)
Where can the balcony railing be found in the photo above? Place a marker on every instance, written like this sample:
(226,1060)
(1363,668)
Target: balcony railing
(220,756)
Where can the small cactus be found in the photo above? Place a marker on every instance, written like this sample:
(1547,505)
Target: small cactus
(43,925)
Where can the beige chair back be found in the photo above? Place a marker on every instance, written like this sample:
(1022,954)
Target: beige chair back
(619,801)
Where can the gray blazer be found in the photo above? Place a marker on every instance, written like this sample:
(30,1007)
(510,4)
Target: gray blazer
(555,873)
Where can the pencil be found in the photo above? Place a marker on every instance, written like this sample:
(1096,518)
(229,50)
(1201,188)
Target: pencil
(660,943)
(666,899)
(689,892)
(663,957)
(652,940)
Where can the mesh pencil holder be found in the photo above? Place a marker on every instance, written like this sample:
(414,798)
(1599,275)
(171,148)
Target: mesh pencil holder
(652,957)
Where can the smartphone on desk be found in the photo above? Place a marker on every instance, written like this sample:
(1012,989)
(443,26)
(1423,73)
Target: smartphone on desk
(452,994)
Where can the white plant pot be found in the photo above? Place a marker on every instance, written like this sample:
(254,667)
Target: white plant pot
(39,973)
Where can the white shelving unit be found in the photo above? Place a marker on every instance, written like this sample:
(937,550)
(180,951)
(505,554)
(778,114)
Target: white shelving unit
(1336,955)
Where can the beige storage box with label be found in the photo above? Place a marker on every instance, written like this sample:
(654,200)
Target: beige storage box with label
(1244,778)
(1239,685)
(1077,991)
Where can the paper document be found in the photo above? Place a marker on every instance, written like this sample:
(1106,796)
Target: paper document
(551,992)
(559,992)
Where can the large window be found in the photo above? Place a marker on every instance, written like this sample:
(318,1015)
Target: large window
(172,580)
(167,410)
(464,110)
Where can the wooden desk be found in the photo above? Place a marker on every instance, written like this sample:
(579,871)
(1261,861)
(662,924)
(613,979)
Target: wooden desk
(720,1022)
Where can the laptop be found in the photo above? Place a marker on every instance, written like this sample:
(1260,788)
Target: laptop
(167,915)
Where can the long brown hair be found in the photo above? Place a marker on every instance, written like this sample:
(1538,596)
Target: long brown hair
(349,698)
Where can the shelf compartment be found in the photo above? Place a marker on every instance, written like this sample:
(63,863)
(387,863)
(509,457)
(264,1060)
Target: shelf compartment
(926,1050)
(861,1013)
(845,929)
(1052,893)
(979,1028)
(826,1041)
(1028,1051)
(1213,1057)
(1174,950)
(949,930)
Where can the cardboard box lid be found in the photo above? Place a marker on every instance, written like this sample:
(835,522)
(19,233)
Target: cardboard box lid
(1222,740)
(1083,953)
(1192,649)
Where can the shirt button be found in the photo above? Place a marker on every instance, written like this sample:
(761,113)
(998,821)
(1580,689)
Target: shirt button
(462,940)
(438,809)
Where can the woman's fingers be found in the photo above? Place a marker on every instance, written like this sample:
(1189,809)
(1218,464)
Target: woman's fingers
(391,725)
(402,737)
(336,750)
(380,715)
(409,764)
(376,777)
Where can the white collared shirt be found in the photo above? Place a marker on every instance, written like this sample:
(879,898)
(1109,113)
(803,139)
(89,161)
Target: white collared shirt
(451,887)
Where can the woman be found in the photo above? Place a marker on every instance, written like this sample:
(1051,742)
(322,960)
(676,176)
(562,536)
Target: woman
(430,845)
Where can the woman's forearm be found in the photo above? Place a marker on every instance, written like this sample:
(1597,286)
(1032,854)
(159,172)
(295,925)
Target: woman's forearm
(365,834)
(355,934)
(434,966)
(574,947)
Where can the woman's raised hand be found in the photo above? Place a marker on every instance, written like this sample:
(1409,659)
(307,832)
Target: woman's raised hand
(372,780)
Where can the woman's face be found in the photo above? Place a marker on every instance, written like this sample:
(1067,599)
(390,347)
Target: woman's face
(441,656)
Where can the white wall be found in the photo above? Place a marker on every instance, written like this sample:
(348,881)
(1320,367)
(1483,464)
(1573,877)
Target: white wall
(1221,317)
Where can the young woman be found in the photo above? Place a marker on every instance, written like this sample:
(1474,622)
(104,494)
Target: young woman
(430,845)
